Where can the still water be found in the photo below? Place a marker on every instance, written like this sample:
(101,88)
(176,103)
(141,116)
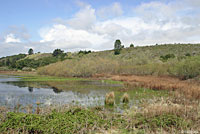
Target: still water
(13,91)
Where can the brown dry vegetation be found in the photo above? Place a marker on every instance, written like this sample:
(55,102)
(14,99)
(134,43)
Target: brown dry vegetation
(191,89)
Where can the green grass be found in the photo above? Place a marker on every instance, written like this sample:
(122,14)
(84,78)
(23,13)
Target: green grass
(75,120)
(82,120)
(112,82)
(48,78)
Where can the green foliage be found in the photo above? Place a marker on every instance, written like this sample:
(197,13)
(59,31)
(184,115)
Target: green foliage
(10,61)
(117,44)
(84,52)
(75,120)
(117,47)
(131,45)
(35,63)
(117,51)
(30,51)
(187,54)
(58,52)
(187,68)
(165,121)
(166,57)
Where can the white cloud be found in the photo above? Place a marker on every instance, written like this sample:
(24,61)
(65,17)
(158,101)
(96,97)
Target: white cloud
(10,38)
(97,29)
(152,22)
(113,10)
(60,36)
(84,19)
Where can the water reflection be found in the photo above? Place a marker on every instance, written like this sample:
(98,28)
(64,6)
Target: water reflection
(56,90)
(30,89)
(84,93)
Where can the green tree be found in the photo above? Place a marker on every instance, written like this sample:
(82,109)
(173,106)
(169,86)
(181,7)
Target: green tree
(131,45)
(118,44)
(117,47)
(30,51)
(57,52)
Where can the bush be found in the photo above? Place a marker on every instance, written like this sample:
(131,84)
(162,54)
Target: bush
(131,45)
(188,68)
(166,57)
(57,52)
(84,52)
(117,51)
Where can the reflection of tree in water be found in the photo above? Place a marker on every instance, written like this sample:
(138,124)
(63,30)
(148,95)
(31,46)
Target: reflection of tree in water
(56,90)
(30,89)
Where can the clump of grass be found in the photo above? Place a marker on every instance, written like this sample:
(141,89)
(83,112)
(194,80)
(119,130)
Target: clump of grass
(125,98)
(38,108)
(110,99)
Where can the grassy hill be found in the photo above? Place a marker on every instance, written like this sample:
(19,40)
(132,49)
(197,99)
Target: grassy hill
(38,56)
(28,62)
(181,60)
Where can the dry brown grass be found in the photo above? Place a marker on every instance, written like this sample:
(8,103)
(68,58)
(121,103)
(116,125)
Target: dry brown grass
(125,98)
(191,89)
(110,99)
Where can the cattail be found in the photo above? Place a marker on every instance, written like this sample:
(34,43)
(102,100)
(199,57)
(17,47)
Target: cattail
(125,98)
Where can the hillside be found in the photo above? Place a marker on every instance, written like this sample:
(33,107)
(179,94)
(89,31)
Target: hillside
(29,62)
(170,59)
(180,60)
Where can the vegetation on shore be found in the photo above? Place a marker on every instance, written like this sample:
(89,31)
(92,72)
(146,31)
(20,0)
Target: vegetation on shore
(179,60)
(161,115)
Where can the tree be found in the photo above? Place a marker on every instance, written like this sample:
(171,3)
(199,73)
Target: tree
(30,51)
(118,44)
(131,45)
(117,47)
(57,52)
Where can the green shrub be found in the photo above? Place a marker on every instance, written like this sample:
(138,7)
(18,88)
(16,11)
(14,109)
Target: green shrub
(166,57)
(188,68)
(165,121)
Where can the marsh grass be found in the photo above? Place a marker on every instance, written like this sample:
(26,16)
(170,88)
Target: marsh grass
(125,98)
(110,99)
(190,89)
(160,115)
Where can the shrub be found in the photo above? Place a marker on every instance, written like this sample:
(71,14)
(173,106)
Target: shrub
(188,68)
(131,45)
(84,52)
(57,52)
(166,57)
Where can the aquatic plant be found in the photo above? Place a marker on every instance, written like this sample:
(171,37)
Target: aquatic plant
(125,98)
(38,108)
(110,99)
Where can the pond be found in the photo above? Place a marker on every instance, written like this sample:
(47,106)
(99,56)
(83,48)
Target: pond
(15,91)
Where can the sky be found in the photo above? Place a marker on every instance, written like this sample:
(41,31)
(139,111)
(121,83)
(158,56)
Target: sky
(74,25)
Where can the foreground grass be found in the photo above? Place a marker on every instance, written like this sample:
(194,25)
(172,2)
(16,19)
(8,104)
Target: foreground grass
(170,115)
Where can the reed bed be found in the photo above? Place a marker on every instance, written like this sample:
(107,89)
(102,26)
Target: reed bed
(191,89)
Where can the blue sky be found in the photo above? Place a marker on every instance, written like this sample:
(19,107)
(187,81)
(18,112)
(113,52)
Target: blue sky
(33,14)
(45,25)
